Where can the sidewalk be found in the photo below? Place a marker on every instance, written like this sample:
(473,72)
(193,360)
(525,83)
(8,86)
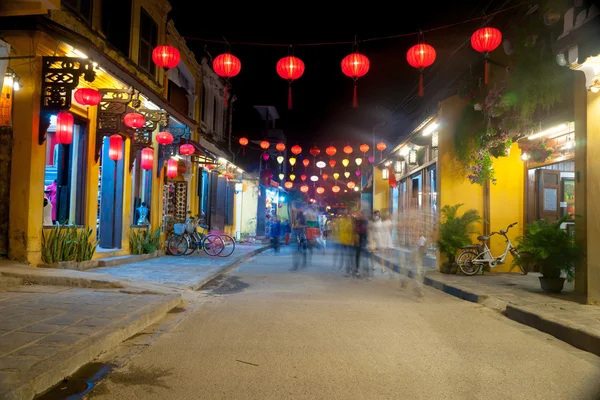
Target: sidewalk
(520,298)
(185,272)
(49,332)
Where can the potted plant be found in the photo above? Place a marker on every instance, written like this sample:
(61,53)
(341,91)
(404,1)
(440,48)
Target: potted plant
(546,246)
(455,233)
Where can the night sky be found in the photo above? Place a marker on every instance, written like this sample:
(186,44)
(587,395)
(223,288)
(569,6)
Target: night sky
(322,113)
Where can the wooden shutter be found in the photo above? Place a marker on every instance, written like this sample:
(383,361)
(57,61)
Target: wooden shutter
(229,217)
(548,190)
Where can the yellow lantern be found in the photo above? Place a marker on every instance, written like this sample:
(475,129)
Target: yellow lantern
(292,177)
(281,176)
(336,175)
(347,174)
(345,162)
(292,161)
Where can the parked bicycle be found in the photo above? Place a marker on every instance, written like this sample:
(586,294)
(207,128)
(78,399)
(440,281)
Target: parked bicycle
(476,256)
(187,239)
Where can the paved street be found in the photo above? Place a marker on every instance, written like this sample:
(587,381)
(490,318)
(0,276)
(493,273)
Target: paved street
(268,333)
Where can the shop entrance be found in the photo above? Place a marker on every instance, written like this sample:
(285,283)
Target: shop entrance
(551,191)
(110,204)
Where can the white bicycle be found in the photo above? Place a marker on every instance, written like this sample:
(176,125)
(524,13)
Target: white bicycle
(476,256)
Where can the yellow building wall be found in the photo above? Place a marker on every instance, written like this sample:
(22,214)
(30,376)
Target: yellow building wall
(592,182)
(381,191)
(249,206)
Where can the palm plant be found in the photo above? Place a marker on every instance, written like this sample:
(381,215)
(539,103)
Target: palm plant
(455,231)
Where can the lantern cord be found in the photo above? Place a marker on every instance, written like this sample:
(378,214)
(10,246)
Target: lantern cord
(290,96)
(355,97)
(487,71)
(226,93)
(421,90)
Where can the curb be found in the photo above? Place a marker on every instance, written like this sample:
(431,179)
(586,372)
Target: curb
(577,336)
(228,267)
(103,262)
(48,373)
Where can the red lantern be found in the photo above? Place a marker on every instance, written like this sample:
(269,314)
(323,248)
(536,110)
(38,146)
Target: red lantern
(296,149)
(166,57)
(115,149)
(227,66)
(320,190)
(243,141)
(290,68)
(288,185)
(303,177)
(134,120)
(331,151)
(164,138)
(381,147)
(355,65)
(420,56)
(264,145)
(147,158)
(314,151)
(485,40)
(172,168)
(347,149)
(64,127)
(335,189)
(325,176)
(304,188)
(364,148)
(87,97)
(280,147)
(186,149)
(332,163)
(305,162)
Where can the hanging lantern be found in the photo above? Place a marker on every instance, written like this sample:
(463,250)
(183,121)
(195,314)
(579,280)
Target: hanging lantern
(485,40)
(335,189)
(303,177)
(292,161)
(412,157)
(280,146)
(336,176)
(420,56)
(87,97)
(64,127)
(172,168)
(265,156)
(227,66)
(332,163)
(347,174)
(325,176)
(358,161)
(147,158)
(186,149)
(264,145)
(321,164)
(280,159)
(164,138)
(385,174)
(115,147)
(364,148)
(290,68)
(351,185)
(345,162)
(288,185)
(166,57)
(305,162)
(314,151)
(348,150)
(435,140)
(381,147)
(314,178)
(357,172)
(398,167)
(243,141)
(210,167)
(134,120)
(331,151)
(296,149)
(371,159)
(281,176)
(320,190)
(355,65)
(292,177)
(304,188)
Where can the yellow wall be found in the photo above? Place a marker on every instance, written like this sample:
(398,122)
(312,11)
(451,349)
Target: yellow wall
(592,194)
(249,206)
(381,191)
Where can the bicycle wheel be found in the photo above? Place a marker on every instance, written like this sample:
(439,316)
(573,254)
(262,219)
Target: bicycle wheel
(193,244)
(178,245)
(229,246)
(516,255)
(213,245)
(465,263)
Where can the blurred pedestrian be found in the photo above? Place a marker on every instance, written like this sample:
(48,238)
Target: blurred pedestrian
(275,233)
(287,230)
(362,229)
(387,247)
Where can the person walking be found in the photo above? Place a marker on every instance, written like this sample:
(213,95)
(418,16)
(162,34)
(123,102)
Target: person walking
(347,240)
(287,230)
(275,232)
(361,237)
(387,246)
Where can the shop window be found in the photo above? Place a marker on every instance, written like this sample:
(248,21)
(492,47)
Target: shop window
(141,193)
(83,8)
(117,26)
(178,98)
(64,177)
(148,41)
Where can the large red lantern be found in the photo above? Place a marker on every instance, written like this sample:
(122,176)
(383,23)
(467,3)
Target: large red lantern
(87,97)
(314,151)
(166,57)
(290,68)
(264,145)
(296,149)
(280,146)
(164,138)
(186,149)
(172,168)
(420,56)
(227,66)
(331,151)
(64,127)
(364,148)
(332,163)
(243,142)
(348,149)
(485,40)
(134,120)
(147,158)
(355,65)
(115,147)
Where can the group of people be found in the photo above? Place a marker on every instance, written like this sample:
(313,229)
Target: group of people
(279,229)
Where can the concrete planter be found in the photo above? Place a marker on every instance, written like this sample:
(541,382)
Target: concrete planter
(78,266)
(102,262)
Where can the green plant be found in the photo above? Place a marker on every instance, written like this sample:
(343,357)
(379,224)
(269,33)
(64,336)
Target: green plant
(86,245)
(67,243)
(548,247)
(455,231)
(144,241)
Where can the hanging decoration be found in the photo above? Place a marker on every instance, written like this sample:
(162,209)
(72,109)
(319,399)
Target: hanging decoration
(187,149)
(290,68)
(435,140)
(325,176)
(304,188)
(281,176)
(227,66)
(164,138)
(292,177)
(345,162)
(321,165)
(314,178)
(364,148)
(332,163)
(87,97)
(348,150)
(303,177)
(264,145)
(351,185)
(335,189)
(485,40)
(391,177)
(320,190)
(420,56)
(115,147)
(381,147)
(280,159)
(358,161)
(147,158)
(265,156)
(347,174)
(357,172)
(296,150)
(330,151)
(166,57)
(314,151)
(64,127)
(385,174)
(371,159)
(172,168)
(355,66)
(243,142)
(336,176)
(288,185)
(412,157)
(280,146)
(134,120)
(292,161)
(305,162)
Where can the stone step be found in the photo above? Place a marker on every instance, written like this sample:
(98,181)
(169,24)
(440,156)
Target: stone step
(7,281)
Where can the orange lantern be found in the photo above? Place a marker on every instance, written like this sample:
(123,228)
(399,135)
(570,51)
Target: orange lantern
(304,188)
(331,151)
(351,185)
(280,146)
(325,176)
(303,177)
(354,66)
(314,151)
(381,147)
(364,148)
(288,185)
(264,145)
(305,162)
(320,190)
(243,141)
(347,149)
(296,149)
(335,189)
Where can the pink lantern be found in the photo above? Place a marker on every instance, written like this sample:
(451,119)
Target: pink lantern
(147,158)
(172,168)
(186,149)
(164,138)
(64,127)
(115,149)
(265,156)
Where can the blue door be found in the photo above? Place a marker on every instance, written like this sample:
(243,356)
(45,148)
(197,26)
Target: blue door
(111,200)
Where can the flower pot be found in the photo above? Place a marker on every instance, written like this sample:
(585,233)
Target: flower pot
(448,268)
(552,285)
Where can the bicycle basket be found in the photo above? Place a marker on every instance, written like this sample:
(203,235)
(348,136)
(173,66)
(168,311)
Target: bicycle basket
(179,229)
(190,227)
